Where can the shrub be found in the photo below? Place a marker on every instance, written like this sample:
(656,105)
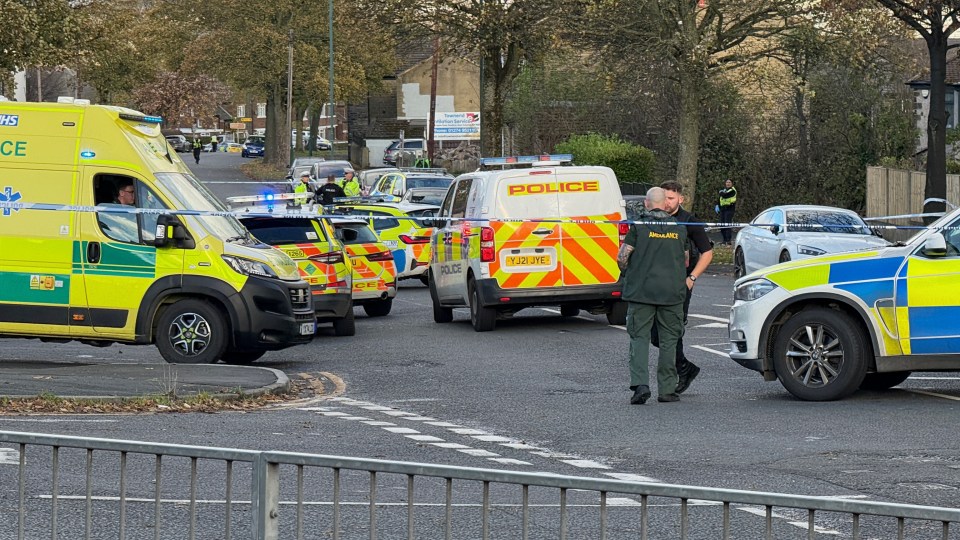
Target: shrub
(630,162)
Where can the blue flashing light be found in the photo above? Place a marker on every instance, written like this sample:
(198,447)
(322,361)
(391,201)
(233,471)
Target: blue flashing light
(269,196)
(512,160)
(153,119)
(87,154)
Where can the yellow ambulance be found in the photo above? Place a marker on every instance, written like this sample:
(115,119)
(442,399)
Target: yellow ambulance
(88,253)
(521,236)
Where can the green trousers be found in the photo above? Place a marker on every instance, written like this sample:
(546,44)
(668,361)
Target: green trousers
(640,319)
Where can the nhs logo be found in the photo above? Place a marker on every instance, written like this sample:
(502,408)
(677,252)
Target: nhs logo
(9,120)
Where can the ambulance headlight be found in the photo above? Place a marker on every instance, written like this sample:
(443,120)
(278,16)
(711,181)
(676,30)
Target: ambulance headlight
(249,267)
(752,290)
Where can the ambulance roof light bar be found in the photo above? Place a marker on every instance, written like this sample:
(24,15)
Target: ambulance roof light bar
(538,160)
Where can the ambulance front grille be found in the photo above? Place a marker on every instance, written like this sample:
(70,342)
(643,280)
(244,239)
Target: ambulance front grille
(300,298)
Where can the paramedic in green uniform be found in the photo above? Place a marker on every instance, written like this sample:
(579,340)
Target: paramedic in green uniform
(653,260)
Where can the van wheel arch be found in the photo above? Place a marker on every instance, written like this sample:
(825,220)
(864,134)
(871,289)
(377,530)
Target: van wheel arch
(169,289)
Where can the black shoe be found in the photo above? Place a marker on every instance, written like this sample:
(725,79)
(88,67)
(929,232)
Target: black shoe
(668,398)
(687,378)
(640,395)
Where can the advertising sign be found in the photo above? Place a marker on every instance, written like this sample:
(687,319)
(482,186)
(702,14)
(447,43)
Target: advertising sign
(238,125)
(457,126)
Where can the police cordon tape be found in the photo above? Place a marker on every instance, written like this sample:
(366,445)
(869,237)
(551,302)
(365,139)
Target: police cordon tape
(282,210)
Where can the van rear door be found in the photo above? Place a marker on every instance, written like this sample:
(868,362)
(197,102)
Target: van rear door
(528,253)
(588,251)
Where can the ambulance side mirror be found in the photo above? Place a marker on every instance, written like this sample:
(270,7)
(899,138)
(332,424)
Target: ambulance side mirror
(170,231)
(935,246)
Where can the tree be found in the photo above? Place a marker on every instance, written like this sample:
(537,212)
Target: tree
(696,40)
(935,21)
(172,95)
(34,33)
(502,33)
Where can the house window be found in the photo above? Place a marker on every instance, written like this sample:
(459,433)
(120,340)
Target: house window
(241,111)
(950,104)
(261,110)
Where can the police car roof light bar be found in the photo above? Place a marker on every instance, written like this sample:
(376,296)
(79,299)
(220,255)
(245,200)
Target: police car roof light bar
(526,160)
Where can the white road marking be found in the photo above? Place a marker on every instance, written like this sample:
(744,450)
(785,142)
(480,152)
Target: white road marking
(334,413)
(585,463)
(509,461)
(425,438)
(452,445)
(722,305)
(709,318)
(59,420)
(714,351)
(712,325)
(551,310)
(375,408)
(377,423)
(493,438)
(442,424)
(400,430)
(622,501)
(9,456)
(478,452)
(417,418)
(521,446)
(933,394)
(632,477)
(355,418)
(468,431)
(398,413)
(915,378)
(617,326)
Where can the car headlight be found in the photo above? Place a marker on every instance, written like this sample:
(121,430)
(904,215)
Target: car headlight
(752,290)
(811,251)
(249,267)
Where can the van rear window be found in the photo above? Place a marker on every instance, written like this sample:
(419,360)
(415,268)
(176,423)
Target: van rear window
(277,232)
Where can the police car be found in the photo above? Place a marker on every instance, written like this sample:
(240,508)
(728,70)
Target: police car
(393,185)
(312,243)
(374,273)
(829,325)
(404,228)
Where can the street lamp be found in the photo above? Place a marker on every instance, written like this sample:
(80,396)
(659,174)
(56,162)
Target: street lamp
(333,108)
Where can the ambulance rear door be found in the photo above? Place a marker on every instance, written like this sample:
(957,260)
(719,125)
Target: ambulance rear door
(587,197)
(528,252)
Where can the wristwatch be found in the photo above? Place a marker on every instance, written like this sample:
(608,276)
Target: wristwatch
(692,277)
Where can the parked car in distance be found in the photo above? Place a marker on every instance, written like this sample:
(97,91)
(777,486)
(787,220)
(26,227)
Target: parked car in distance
(392,186)
(301,164)
(784,233)
(253,147)
(410,148)
(179,143)
(321,170)
(370,177)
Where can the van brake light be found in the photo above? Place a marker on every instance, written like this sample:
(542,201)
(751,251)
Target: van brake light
(623,229)
(487,246)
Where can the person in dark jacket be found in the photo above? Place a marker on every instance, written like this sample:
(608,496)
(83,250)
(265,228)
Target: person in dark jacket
(700,249)
(653,262)
(329,191)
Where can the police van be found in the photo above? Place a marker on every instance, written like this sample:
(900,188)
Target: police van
(533,233)
(109,265)
(830,325)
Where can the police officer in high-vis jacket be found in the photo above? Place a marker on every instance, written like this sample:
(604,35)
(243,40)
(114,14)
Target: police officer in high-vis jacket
(727,205)
(653,261)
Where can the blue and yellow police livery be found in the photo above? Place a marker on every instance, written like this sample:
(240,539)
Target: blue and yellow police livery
(830,325)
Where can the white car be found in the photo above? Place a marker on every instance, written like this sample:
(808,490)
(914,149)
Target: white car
(784,233)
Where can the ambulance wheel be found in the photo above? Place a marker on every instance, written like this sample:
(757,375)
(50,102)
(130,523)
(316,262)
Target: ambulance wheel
(347,326)
(242,358)
(569,311)
(739,264)
(379,309)
(883,381)
(191,332)
(617,314)
(440,314)
(784,256)
(484,319)
(820,355)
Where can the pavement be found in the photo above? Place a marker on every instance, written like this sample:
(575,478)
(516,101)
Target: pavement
(21,379)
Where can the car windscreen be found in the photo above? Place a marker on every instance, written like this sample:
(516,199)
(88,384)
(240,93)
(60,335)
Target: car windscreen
(280,231)
(428,181)
(356,233)
(426,197)
(827,222)
(297,171)
(323,171)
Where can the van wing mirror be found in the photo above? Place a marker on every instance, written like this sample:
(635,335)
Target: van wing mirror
(935,246)
(170,231)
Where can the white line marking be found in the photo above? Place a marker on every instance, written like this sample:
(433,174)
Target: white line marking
(334,413)
(468,431)
(915,378)
(313,409)
(411,400)
(375,408)
(762,512)
(712,325)
(9,456)
(552,455)
(632,477)
(714,351)
(709,318)
(933,394)
(622,501)
(509,461)
(417,418)
(442,424)
(399,413)
(478,452)
(378,423)
(585,463)
(400,430)
(521,446)
(617,326)
(722,305)
(493,438)
(425,438)
(557,311)
(355,418)
(58,420)
(453,445)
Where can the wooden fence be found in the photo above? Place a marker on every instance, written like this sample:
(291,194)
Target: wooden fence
(894,192)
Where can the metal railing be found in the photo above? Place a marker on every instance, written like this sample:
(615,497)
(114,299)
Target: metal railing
(343,497)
